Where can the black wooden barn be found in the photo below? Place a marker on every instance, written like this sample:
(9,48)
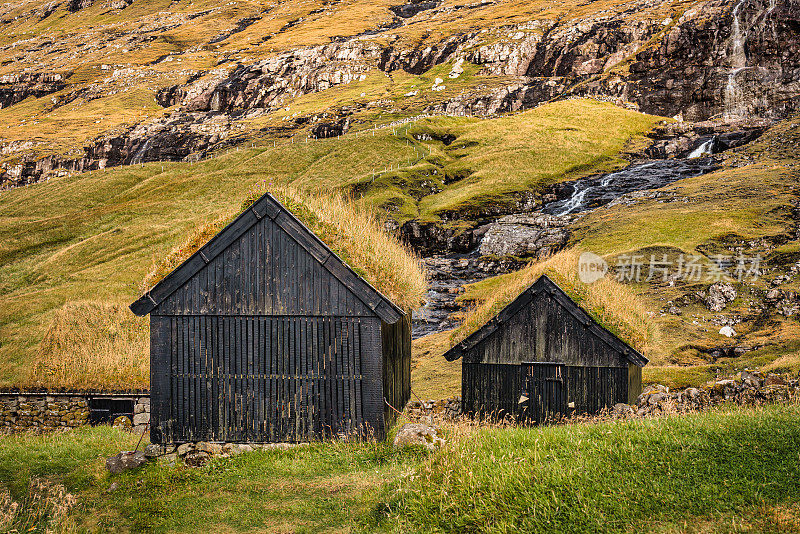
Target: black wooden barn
(543,356)
(265,335)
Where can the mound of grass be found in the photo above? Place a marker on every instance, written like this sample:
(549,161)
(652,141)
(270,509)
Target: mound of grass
(615,306)
(697,473)
(433,377)
(94,345)
(351,231)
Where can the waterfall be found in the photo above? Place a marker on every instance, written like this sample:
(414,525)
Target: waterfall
(734,96)
(704,149)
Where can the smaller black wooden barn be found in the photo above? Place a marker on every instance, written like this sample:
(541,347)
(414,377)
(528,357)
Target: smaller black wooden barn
(543,356)
(265,335)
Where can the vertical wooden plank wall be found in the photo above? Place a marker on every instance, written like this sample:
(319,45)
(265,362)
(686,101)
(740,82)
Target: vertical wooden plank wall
(396,346)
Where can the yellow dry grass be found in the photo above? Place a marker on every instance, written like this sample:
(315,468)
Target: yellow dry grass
(350,228)
(94,345)
(615,306)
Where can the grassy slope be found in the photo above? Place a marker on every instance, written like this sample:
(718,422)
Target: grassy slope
(725,471)
(730,470)
(745,207)
(93,236)
(133,39)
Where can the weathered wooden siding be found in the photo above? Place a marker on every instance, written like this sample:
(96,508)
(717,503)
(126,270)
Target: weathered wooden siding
(494,389)
(264,378)
(595,388)
(491,390)
(264,272)
(634,383)
(545,331)
(596,374)
(396,343)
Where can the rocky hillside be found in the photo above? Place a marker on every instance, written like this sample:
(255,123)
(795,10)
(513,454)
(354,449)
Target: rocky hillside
(95,83)
(488,134)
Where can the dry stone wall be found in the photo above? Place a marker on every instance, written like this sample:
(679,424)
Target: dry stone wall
(42,412)
(46,412)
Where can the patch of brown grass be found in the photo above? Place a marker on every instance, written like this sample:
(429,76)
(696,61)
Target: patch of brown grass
(94,345)
(615,306)
(433,377)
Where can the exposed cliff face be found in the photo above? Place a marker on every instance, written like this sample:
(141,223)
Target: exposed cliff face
(17,87)
(666,67)
(718,59)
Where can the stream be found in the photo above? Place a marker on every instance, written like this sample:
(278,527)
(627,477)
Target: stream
(449,272)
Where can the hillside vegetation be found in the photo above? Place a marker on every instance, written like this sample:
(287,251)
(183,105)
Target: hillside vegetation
(94,236)
(728,470)
(130,52)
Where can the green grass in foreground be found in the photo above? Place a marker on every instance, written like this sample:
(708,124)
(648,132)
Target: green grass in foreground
(728,470)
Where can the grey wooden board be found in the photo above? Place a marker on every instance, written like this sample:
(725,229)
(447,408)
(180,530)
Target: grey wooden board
(244,252)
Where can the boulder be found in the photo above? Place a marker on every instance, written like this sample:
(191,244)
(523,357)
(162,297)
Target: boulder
(526,235)
(727,331)
(418,434)
(196,458)
(622,409)
(124,461)
(185,448)
(210,448)
(719,295)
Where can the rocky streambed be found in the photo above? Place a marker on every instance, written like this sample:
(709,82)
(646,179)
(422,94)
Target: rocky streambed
(507,243)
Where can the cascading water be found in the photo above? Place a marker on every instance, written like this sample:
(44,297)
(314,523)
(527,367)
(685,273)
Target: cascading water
(590,193)
(735,106)
(705,149)
(451,272)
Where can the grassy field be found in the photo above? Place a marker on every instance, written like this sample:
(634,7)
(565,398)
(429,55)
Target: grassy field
(92,238)
(728,470)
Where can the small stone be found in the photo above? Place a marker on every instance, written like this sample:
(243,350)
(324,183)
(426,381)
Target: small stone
(623,409)
(185,448)
(418,434)
(124,461)
(154,450)
(692,393)
(210,448)
(114,486)
(141,418)
(727,331)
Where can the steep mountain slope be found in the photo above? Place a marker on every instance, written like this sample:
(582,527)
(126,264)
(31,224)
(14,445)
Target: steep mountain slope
(92,84)
(444,115)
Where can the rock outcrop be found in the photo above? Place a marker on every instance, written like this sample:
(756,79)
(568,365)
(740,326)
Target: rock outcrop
(535,235)
(17,87)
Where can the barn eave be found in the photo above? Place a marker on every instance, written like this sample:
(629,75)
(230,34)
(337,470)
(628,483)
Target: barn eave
(545,284)
(268,206)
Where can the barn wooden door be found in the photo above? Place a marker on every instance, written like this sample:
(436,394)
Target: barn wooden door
(253,379)
(545,390)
